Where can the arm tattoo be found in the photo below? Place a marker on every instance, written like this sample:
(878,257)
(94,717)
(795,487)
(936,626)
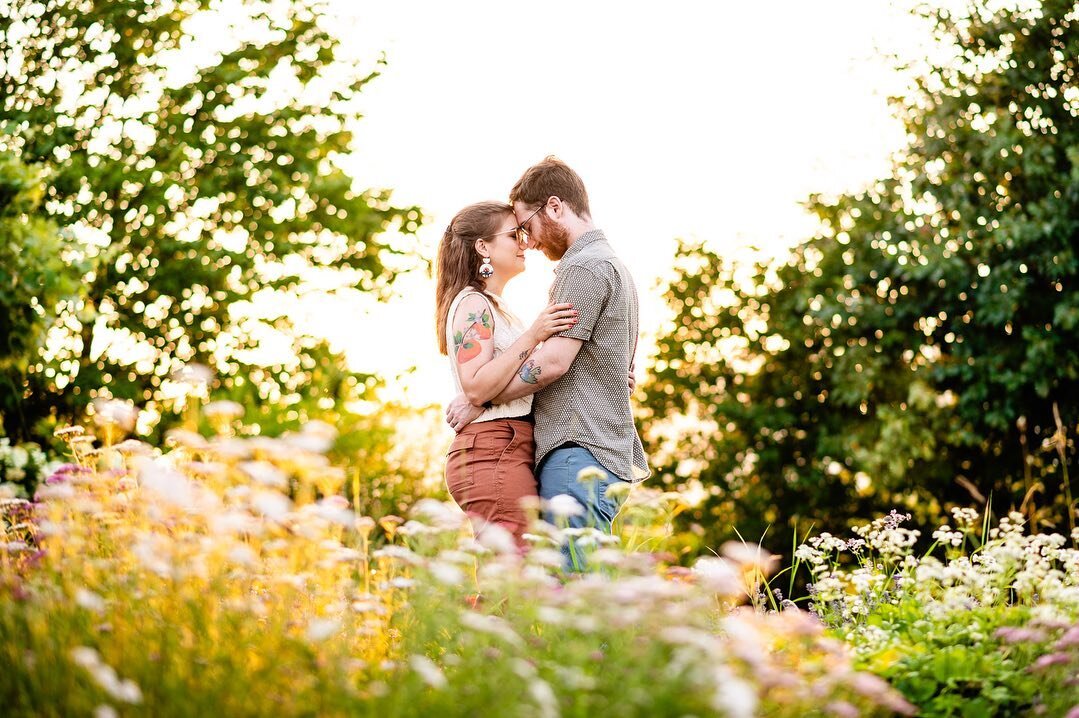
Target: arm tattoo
(530,372)
(481,324)
(525,353)
(465,344)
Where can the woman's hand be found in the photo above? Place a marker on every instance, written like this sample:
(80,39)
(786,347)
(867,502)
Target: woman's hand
(461,412)
(552,320)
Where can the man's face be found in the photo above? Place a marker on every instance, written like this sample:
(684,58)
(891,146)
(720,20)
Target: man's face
(544,234)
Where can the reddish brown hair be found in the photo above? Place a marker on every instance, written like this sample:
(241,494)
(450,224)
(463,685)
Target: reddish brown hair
(458,264)
(551,178)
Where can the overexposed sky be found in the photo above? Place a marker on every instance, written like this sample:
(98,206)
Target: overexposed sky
(709,120)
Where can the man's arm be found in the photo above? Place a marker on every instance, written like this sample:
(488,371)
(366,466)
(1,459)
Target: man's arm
(588,293)
(546,365)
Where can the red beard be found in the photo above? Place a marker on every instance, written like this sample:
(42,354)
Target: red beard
(553,239)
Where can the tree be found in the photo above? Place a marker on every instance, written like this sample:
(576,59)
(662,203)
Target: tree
(197,172)
(912,354)
(35,276)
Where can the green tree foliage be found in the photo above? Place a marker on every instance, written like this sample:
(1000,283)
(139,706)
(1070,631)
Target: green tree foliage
(35,276)
(192,151)
(910,354)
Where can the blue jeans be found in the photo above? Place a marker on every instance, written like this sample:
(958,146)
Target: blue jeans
(558,475)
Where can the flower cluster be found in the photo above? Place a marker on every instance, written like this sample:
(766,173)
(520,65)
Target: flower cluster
(21,466)
(1016,596)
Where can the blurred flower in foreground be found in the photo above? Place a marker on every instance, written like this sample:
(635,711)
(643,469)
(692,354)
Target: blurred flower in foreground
(751,558)
(222,414)
(193,376)
(115,418)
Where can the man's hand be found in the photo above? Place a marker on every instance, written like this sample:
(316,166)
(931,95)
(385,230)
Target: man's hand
(632,377)
(461,412)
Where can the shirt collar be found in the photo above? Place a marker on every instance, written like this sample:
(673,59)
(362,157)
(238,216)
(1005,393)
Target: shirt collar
(589,237)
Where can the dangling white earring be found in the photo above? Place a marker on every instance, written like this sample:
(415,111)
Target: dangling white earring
(486,270)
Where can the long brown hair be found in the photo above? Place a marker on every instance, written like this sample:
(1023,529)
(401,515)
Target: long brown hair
(458,264)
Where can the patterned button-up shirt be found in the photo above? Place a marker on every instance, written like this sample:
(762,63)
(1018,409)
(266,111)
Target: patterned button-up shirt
(589,405)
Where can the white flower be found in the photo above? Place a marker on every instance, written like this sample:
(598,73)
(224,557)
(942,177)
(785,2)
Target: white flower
(196,376)
(734,698)
(19,457)
(497,539)
(446,573)
(719,576)
(116,413)
(750,556)
(590,475)
(438,514)
(335,510)
(542,693)
(564,506)
(265,473)
(126,691)
(242,554)
(85,656)
(89,600)
(321,628)
(271,504)
(160,479)
(620,489)
(431,674)
(946,537)
(492,625)
(224,410)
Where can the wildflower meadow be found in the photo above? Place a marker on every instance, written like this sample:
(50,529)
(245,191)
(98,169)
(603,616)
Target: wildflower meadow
(222,575)
(844,243)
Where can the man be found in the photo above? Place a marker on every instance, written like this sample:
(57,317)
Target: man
(579,377)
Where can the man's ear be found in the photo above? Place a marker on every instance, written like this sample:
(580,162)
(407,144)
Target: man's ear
(557,207)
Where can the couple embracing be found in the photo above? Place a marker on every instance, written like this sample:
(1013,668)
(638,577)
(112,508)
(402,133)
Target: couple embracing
(538,405)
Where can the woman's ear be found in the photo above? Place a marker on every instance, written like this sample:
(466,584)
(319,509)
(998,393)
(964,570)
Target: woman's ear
(481,247)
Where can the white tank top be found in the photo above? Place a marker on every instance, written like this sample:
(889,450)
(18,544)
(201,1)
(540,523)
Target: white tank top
(507,329)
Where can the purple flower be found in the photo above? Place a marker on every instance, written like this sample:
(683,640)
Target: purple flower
(1049,660)
(1018,634)
(1070,639)
(64,472)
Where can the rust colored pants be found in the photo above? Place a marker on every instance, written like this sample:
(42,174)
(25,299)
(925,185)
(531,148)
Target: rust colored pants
(490,469)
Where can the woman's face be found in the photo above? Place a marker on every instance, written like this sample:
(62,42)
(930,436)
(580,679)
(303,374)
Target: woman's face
(506,252)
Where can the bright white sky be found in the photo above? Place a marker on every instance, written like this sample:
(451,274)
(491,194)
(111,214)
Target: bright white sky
(694,119)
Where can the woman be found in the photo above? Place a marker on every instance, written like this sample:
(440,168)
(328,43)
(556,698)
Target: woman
(489,469)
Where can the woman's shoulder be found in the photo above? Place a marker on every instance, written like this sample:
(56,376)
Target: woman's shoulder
(472,302)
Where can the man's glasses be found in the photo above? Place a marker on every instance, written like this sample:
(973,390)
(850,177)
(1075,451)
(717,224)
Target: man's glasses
(519,233)
(524,224)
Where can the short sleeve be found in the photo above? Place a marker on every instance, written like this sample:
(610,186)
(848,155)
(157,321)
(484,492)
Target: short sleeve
(587,293)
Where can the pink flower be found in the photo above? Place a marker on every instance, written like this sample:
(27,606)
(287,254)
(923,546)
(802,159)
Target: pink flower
(1049,660)
(1018,634)
(842,709)
(1070,639)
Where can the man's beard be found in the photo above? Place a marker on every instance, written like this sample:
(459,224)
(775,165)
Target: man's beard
(554,240)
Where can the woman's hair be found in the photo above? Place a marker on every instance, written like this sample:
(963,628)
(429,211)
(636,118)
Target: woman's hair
(458,264)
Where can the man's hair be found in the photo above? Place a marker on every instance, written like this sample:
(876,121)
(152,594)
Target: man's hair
(551,178)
